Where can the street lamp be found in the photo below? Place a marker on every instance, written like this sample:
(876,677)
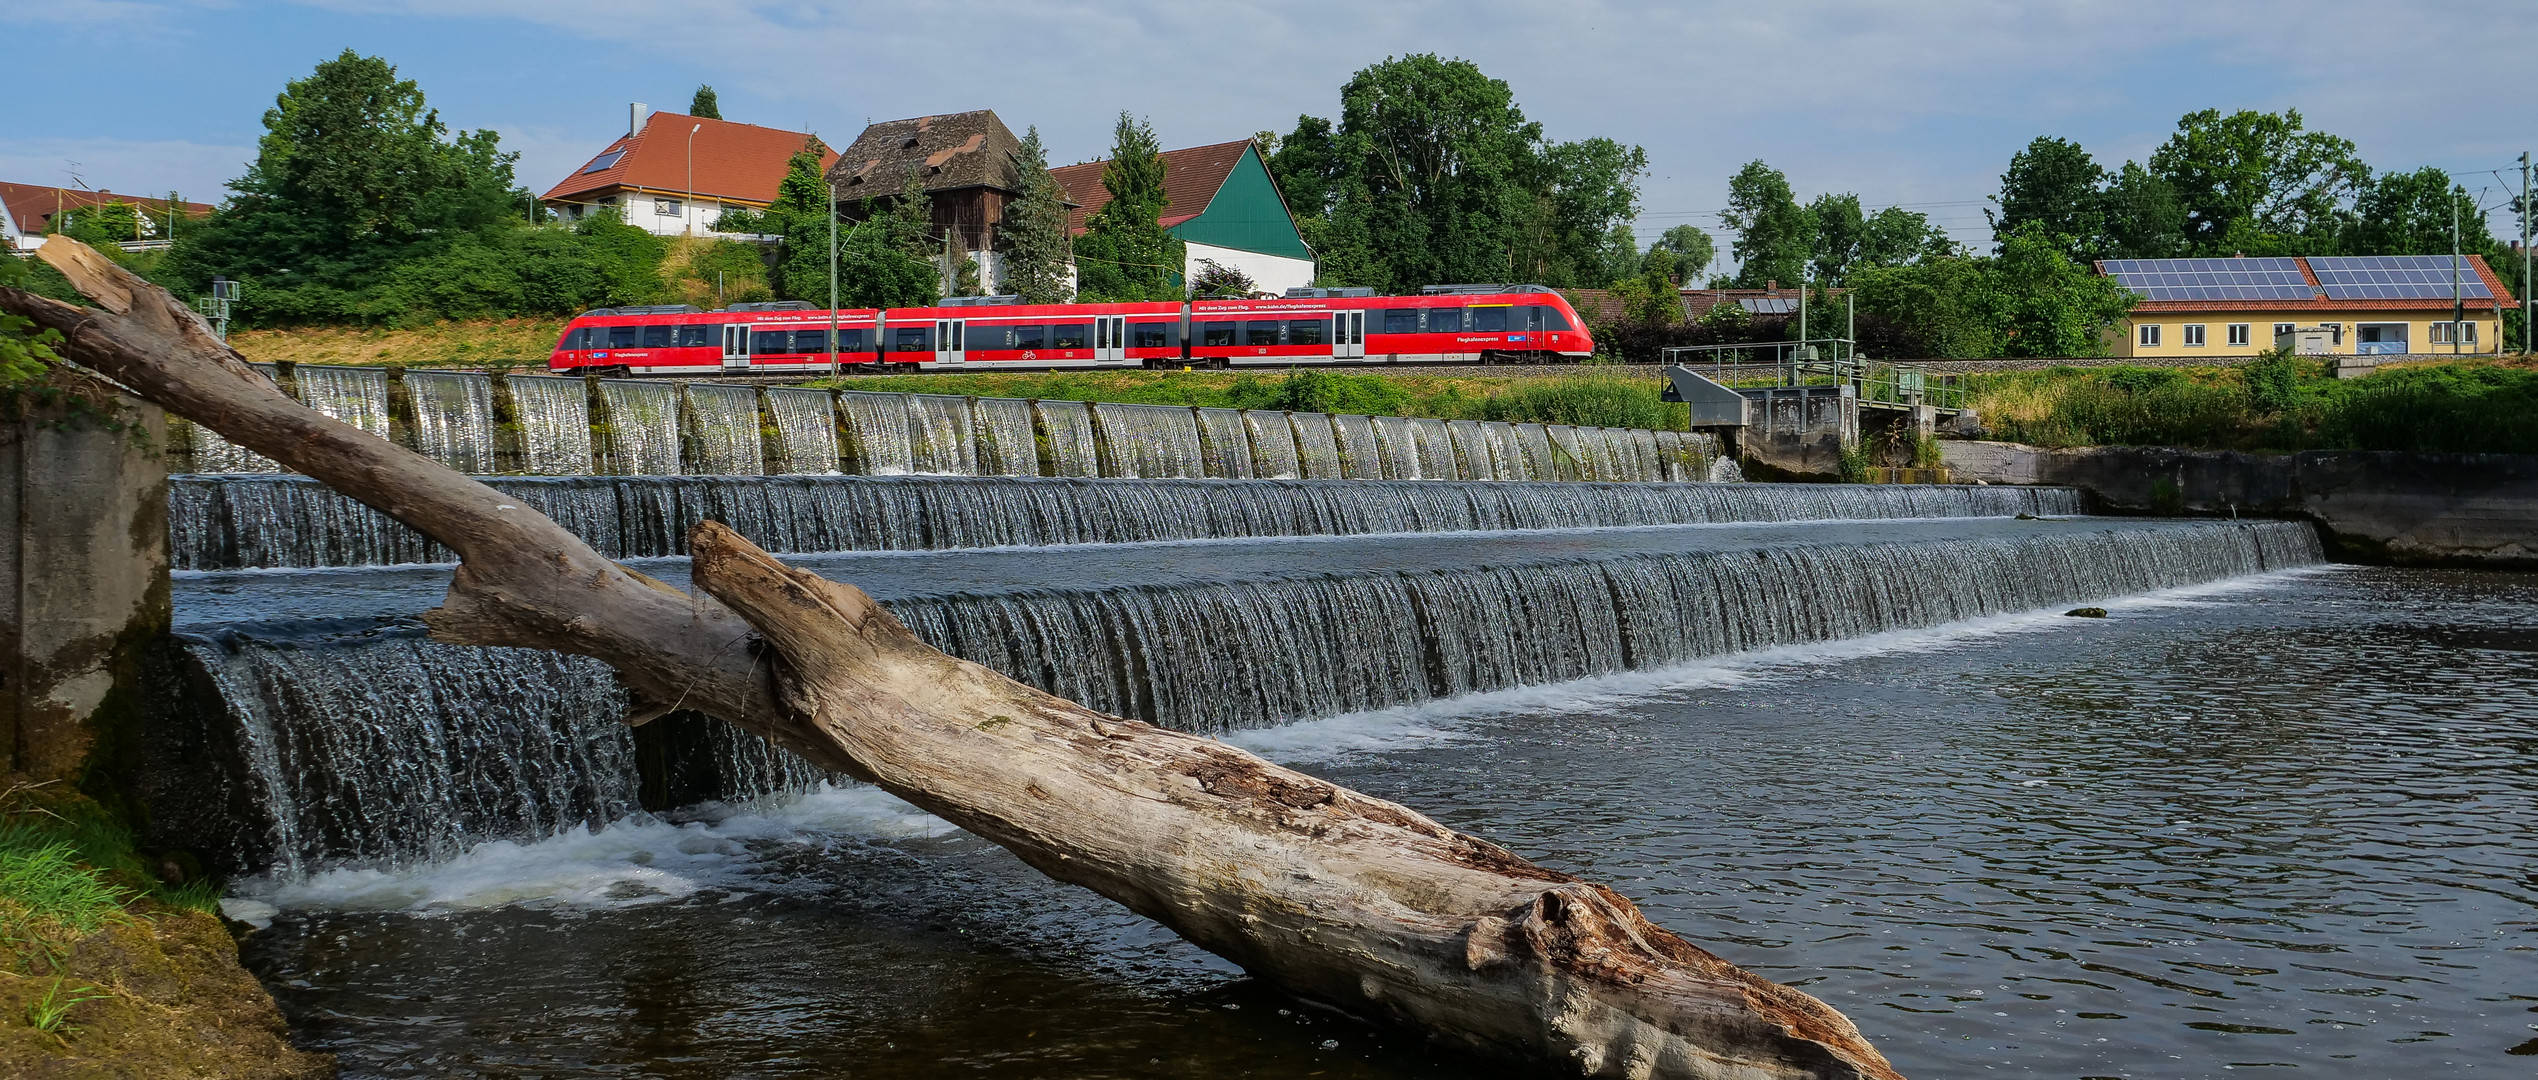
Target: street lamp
(687,210)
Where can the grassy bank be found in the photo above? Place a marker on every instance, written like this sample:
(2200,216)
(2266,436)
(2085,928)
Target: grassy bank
(109,970)
(2278,403)
(1590,397)
(512,342)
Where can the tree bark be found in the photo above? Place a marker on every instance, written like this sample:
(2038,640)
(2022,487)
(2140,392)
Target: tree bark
(1336,896)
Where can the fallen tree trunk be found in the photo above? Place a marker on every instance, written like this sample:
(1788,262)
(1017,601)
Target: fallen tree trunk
(1350,900)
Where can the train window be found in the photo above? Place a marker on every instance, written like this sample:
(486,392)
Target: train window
(770,342)
(1445,320)
(1217,333)
(658,337)
(912,339)
(622,337)
(1151,335)
(1401,320)
(1070,335)
(1260,332)
(1490,319)
(1030,337)
(851,340)
(574,340)
(989,338)
(810,341)
(1551,318)
(691,337)
(1307,331)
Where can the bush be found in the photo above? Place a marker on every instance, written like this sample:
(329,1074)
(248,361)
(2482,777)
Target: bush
(2277,402)
(1592,399)
(1311,390)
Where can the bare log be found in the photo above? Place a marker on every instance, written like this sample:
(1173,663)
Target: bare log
(1336,896)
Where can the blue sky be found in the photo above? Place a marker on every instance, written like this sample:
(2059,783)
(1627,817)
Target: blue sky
(1913,104)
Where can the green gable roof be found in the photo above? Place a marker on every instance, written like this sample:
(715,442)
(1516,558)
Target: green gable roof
(1246,214)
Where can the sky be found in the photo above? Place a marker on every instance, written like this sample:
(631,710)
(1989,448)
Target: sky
(1911,104)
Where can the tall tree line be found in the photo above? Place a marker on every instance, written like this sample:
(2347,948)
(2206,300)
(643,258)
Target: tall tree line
(1433,175)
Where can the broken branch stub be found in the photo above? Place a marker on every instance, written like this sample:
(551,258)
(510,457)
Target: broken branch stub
(1348,899)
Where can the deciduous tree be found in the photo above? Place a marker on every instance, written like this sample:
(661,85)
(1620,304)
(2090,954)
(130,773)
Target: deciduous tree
(2055,186)
(1774,236)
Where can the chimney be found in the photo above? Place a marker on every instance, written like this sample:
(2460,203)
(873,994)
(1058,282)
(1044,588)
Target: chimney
(634,116)
(1772,286)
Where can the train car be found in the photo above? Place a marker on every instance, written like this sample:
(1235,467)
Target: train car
(1444,324)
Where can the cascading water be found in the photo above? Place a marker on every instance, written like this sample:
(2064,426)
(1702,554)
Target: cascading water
(1359,456)
(1398,439)
(356,396)
(643,427)
(453,418)
(1533,442)
(878,428)
(554,418)
(1273,453)
(806,430)
(1569,458)
(205,451)
(1149,441)
(1006,445)
(1437,459)
(1072,449)
(724,435)
(1316,446)
(1226,440)
(1472,449)
(943,444)
(234,522)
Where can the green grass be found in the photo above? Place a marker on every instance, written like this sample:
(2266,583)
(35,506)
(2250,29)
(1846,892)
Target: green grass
(68,868)
(1590,397)
(2279,403)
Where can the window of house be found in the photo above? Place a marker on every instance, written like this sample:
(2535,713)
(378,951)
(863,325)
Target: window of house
(2194,335)
(1217,333)
(1151,335)
(1401,320)
(1071,336)
(667,207)
(2240,333)
(1261,332)
(658,337)
(1307,331)
(912,339)
(2450,333)
(2147,336)
(1489,319)
(2282,328)
(1445,320)
(2467,333)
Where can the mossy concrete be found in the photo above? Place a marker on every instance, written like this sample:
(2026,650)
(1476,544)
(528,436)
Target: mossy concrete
(2409,509)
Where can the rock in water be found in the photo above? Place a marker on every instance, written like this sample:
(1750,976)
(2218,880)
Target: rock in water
(2086,613)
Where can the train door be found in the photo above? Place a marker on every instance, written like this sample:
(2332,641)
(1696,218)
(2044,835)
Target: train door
(1110,339)
(948,346)
(735,345)
(1348,334)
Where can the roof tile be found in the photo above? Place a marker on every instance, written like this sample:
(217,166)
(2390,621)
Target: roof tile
(741,162)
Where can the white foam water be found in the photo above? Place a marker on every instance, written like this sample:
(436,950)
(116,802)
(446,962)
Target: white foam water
(634,861)
(1448,720)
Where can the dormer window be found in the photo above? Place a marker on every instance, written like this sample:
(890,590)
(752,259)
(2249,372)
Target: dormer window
(910,144)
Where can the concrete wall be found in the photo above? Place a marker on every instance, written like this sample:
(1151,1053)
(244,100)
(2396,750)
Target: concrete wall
(83,576)
(2471,510)
(1799,430)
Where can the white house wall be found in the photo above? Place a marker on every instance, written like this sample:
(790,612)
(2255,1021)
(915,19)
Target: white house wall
(1271,273)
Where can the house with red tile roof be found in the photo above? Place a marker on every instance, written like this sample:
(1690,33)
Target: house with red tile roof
(27,212)
(673,174)
(1222,203)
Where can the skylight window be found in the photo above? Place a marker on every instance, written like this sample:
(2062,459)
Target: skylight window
(602,162)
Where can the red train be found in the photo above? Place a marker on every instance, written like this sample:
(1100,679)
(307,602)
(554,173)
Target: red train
(1444,324)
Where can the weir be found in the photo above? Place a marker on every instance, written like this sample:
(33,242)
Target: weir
(236,522)
(304,710)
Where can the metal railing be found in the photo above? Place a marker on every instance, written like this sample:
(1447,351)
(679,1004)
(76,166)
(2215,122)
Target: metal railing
(1820,362)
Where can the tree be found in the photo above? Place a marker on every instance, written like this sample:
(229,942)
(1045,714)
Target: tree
(2031,300)
(800,215)
(1585,193)
(2144,217)
(1693,251)
(2252,179)
(1219,281)
(705,104)
(2053,185)
(2411,214)
(1774,236)
(1031,241)
(1125,254)
(1436,154)
(888,261)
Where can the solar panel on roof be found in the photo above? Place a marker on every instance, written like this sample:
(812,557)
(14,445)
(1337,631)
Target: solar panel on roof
(2396,277)
(2211,279)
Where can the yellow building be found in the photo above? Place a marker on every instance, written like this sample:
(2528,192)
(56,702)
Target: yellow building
(2384,305)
